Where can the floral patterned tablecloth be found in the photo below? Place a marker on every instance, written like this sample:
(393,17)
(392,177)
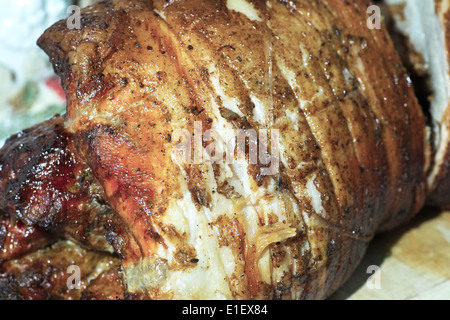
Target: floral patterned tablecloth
(29,90)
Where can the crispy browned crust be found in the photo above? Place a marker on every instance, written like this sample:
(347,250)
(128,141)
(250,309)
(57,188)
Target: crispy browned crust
(44,274)
(17,239)
(107,286)
(48,193)
(45,185)
(132,76)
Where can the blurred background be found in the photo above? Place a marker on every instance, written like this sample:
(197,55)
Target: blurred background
(30,92)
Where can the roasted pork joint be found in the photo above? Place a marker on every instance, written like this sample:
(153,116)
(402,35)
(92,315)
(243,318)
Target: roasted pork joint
(351,142)
(336,91)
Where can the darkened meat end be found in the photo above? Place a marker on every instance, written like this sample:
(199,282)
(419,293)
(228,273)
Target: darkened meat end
(44,184)
(45,274)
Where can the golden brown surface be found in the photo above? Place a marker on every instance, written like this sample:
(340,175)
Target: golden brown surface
(44,185)
(44,274)
(351,140)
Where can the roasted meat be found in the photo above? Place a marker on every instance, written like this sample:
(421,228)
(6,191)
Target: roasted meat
(424,24)
(17,239)
(45,274)
(344,158)
(44,184)
(47,194)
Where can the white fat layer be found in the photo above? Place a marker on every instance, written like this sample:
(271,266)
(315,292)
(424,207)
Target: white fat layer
(201,283)
(210,277)
(244,7)
(424,28)
(293,118)
(282,156)
(228,260)
(160,13)
(265,266)
(312,221)
(261,111)
(347,75)
(315,196)
(291,78)
(228,102)
(208,280)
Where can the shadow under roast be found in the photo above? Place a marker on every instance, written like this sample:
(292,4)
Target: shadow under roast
(379,249)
